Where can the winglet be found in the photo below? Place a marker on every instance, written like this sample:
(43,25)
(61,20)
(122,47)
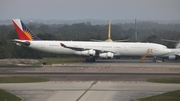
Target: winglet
(63,45)
(23,32)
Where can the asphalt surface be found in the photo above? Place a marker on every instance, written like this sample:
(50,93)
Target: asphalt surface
(104,80)
(87,91)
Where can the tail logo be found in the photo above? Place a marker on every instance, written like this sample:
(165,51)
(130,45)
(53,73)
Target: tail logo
(23,32)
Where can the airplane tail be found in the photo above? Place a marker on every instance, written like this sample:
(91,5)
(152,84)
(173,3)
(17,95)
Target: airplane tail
(23,32)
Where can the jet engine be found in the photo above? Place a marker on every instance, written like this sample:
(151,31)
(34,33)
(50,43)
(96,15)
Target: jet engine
(86,52)
(172,57)
(108,55)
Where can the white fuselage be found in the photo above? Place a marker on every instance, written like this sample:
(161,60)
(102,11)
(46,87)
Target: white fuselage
(119,48)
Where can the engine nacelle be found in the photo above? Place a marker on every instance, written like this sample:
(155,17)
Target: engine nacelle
(108,55)
(86,52)
(172,57)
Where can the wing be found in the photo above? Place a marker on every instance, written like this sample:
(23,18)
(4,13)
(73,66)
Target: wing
(121,40)
(169,40)
(73,48)
(94,40)
(82,49)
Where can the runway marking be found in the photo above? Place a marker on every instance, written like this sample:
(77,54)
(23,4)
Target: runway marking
(86,90)
(88,68)
(49,68)
(149,69)
(119,81)
(107,67)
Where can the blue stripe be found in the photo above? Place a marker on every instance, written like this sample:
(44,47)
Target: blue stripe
(34,37)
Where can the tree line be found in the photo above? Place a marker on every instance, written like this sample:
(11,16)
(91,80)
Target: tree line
(147,32)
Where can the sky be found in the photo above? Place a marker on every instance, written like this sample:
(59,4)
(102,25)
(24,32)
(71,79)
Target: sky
(90,9)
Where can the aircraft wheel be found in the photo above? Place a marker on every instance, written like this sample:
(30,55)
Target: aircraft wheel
(87,60)
(93,59)
(90,60)
(154,60)
(162,59)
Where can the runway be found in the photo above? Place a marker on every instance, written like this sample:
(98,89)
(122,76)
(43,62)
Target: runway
(87,91)
(105,80)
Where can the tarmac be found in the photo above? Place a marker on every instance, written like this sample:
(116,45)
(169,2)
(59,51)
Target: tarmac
(123,80)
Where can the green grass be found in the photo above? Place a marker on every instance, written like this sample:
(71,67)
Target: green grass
(169,96)
(62,60)
(3,70)
(20,79)
(6,96)
(165,80)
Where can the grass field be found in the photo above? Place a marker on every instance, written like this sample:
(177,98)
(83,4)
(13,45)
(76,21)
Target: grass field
(62,60)
(165,80)
(6,96)
(169,96)
(20,79)
(2,70)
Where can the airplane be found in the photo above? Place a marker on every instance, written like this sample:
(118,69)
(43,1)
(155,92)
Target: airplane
(174,41)
(175,53)
(109,36)
(92,50)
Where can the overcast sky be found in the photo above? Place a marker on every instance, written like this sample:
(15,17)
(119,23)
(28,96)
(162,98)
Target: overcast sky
(90,9)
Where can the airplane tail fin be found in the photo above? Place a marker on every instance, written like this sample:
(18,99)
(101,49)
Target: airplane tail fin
(23,32)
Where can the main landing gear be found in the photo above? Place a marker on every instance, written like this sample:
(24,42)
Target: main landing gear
(154,59)
(90,59)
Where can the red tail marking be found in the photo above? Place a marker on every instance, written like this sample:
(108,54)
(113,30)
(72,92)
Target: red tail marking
(21,34)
